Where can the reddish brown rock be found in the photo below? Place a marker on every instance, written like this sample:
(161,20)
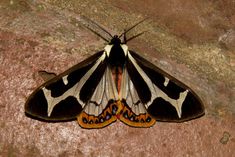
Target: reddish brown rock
(182,39)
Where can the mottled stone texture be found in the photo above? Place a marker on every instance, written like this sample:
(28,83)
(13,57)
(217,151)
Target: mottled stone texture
(191,40)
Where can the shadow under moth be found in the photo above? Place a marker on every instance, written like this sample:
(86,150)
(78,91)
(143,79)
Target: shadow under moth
(114,84)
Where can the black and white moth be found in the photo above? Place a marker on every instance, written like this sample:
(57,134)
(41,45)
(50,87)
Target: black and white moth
(115,83)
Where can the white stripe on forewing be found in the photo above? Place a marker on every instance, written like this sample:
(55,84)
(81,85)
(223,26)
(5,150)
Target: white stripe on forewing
(166,81)
(65,79)
(107,49)
(124,48)
(74,91)
(157,92)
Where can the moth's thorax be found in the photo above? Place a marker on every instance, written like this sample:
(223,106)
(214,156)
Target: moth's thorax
(116,54)
(122,48)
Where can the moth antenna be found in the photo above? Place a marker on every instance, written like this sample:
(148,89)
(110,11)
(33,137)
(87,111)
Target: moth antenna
(99,35)
(96,24)
(133,37)
(133,27)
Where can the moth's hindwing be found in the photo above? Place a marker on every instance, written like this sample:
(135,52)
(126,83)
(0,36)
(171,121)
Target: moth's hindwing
(105,118)
(56,99)
(165,98)
(140,120)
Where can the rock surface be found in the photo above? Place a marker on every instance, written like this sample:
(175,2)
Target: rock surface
(191,40)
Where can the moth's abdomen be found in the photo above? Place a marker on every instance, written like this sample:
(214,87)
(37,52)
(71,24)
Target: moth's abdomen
(117,77)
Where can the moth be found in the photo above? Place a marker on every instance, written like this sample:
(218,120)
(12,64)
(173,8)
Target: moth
(114,84)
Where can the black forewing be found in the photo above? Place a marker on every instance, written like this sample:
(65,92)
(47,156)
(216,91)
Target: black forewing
(162,110)
(69,108)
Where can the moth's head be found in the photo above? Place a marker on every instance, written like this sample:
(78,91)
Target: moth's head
(115,40)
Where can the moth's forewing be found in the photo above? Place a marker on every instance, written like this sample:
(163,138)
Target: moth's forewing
(160,109)
(68,108)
